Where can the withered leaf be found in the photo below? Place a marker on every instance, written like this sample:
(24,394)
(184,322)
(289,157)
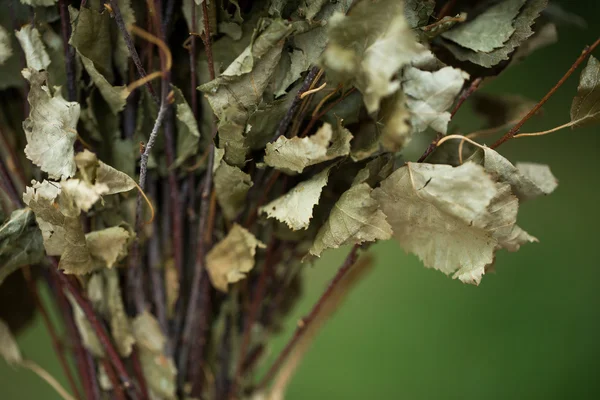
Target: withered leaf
(232,258)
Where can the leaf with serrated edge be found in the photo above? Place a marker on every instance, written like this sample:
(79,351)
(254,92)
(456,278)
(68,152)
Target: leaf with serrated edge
(430,94)
(33,47)
(368,47)
(489,30)
(232,258)
(295,208)
(453,219)
(585,108)
(50,128)
(293,155)
(354,219)
(231,188)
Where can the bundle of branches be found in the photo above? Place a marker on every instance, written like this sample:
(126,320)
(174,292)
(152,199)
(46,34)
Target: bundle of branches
(169,168)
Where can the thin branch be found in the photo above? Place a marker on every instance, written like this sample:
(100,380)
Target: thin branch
(465,95)
(134,272)
(60,354)
(46,376)
(199,280)
(287,119)
(139,373)
(258,297)
(515,129)
(114,380)
(100,331)
(69,50)
(82,361)
(305,322)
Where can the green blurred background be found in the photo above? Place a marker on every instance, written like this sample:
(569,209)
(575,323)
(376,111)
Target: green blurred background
(529,331)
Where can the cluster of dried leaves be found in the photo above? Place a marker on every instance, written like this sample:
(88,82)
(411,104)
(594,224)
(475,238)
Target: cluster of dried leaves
(272,132)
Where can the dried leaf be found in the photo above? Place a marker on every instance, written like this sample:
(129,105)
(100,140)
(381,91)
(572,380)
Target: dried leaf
(454,219)
(188,135)
(9,349)
(522,26)
(395,117)
(159,370)
(230,259)
(84,194)
(368,47)
(231,187)
(88,335)
(417,12)
(50,128)
(295,154)
(488,30)
(120,326)
(527,182)
(35,53)
(585,108)
(355,219)
(20,242)
(58,219)
(430,94)
(108,246)
(295,208)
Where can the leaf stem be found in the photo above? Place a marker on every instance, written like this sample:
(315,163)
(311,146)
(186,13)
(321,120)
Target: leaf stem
(131,47)
(515,129)
(114,380)
(287,119)
(46,376)
(305,322)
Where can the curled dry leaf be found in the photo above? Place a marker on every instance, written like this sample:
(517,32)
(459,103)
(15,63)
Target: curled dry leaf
(50,127)
(232,258)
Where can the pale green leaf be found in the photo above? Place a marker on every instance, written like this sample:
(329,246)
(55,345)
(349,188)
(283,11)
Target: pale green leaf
(33,47)
(295,208)
(188,135)
(430,94)
(9,349)
(453,219)
(585,108)
(522,31)
(231,188)
(293,155)
(50,128)
(488,30)
(368,47)
(355,218)
(232,258)
(84,194)
(58,219)
(86,332)
(120,326)
(159,369)
(527,182)
(395,118)
(20,242)
(115,96)
(108,246)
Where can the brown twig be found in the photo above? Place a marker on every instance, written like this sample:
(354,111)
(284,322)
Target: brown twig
(139,373)
(305,322)
(60,354)
(69,50)
(258,296)
(83,359)
(114,380)
(515,129)
(465,95)
(99,329)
